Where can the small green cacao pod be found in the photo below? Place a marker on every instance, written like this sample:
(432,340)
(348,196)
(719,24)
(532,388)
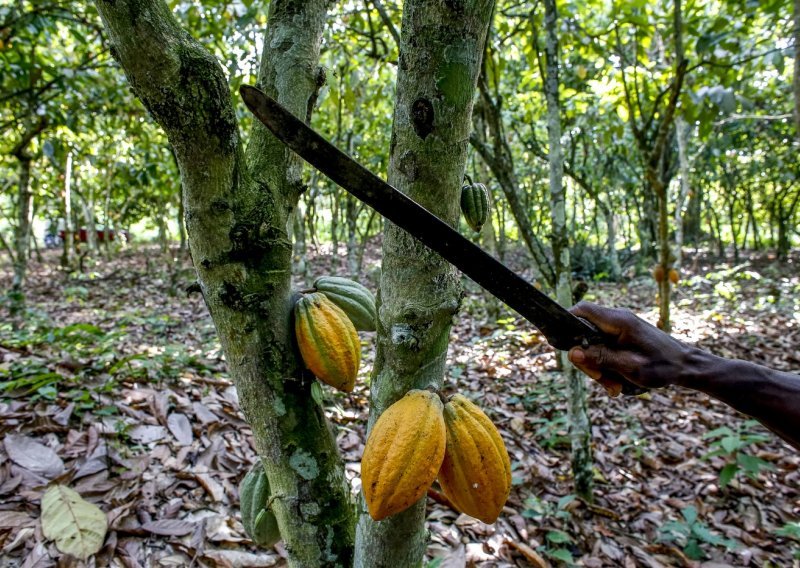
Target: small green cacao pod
(259,522)
(475,205)
(354,299)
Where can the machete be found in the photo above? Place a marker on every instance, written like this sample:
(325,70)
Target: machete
(561,329)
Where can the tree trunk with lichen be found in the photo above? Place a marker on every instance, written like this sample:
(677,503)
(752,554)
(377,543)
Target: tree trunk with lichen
(440,53)
(237,206)
(579,424)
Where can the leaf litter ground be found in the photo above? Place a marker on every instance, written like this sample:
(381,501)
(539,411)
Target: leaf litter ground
(116,386)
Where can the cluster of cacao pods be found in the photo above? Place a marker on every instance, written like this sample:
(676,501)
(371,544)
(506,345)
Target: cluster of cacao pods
(475,204)
(672,274)
(421,437)
(326,320)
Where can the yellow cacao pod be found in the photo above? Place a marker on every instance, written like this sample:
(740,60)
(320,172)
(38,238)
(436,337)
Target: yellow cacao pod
(674,276)
(403,454)
(328,341)
(476,471)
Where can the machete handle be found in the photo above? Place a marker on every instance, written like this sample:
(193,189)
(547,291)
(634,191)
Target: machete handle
(597,337)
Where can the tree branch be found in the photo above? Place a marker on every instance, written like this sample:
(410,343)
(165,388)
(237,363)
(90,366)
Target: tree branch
(387,20)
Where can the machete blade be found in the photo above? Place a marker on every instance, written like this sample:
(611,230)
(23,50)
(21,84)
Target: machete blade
(561,329)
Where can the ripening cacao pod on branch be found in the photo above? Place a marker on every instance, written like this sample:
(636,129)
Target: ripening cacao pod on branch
(475,205)
(327,340)
(354,299)
(476,471)
(403,454)
(259,522)
(673,276)
(658,273)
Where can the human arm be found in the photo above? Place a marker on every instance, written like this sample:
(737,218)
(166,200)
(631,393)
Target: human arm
(650,358)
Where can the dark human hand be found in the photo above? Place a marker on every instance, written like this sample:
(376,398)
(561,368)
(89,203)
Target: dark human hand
(636,350)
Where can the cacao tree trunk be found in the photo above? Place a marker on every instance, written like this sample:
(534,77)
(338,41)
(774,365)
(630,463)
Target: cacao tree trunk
(440,54)
(237,207)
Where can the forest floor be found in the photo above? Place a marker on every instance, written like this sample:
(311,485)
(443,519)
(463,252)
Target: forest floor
(116,387)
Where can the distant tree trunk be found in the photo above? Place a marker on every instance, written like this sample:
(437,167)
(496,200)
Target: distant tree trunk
(797,69)
(238,202)
(335,260)
(23,233)
(163,233)
(24,213)
(351,205)
(440,53)
(498,157)
(655,151)
(682,135)
(611,238)
(107,220)
(364,241)
(87,211)
(580,427)
(69,225)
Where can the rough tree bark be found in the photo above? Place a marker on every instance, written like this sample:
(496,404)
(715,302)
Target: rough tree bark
(580,426)
(237,206)
(440,53)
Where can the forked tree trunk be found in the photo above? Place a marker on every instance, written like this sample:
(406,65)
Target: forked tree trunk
(237,207)
(579,426)
(440,54)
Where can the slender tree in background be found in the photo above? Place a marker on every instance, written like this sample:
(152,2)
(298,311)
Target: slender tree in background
(579,427)
(440,55)
(22,153)
(652,135)
(797,69)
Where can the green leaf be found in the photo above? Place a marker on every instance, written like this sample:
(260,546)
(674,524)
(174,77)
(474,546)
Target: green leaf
(558,537)
(694,551)
(316,393)
(77,526)
(690,514)
(561,554)
(731,444)
(727,474)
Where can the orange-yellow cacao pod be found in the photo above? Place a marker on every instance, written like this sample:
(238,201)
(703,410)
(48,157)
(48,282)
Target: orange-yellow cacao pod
(403,454)
(673,275)
(328,341)
(476,471)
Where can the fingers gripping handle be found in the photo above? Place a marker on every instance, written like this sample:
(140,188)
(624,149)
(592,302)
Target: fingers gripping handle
(597,337)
